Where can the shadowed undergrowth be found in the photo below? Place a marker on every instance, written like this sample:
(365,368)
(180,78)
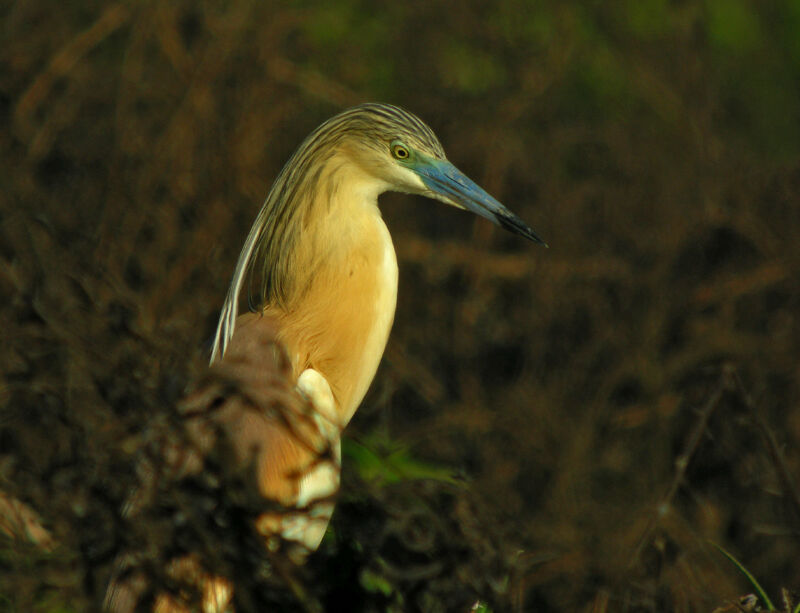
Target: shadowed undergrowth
(562,429)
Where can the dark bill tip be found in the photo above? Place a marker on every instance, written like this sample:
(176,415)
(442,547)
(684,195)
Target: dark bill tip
(514,224)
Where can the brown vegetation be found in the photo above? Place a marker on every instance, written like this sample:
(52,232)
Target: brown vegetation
(610,406)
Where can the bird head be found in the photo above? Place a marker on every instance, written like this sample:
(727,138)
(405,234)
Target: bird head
(398,148)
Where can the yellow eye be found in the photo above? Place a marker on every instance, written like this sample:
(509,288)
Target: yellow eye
(400,151)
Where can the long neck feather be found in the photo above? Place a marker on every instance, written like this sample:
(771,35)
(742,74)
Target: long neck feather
(268,253)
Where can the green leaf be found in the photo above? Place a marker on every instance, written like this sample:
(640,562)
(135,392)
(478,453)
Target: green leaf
(384,461)
(753,581)
(373,582)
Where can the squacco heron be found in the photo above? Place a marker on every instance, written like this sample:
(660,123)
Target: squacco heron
(323,267)
(325,271)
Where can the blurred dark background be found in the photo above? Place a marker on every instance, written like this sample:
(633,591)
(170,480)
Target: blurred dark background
(609,407)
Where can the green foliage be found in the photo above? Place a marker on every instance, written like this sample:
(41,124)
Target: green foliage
(381,460)
(352,35)
(648,18)
(470,70)
(523,24)
(733,26)
(753,581)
